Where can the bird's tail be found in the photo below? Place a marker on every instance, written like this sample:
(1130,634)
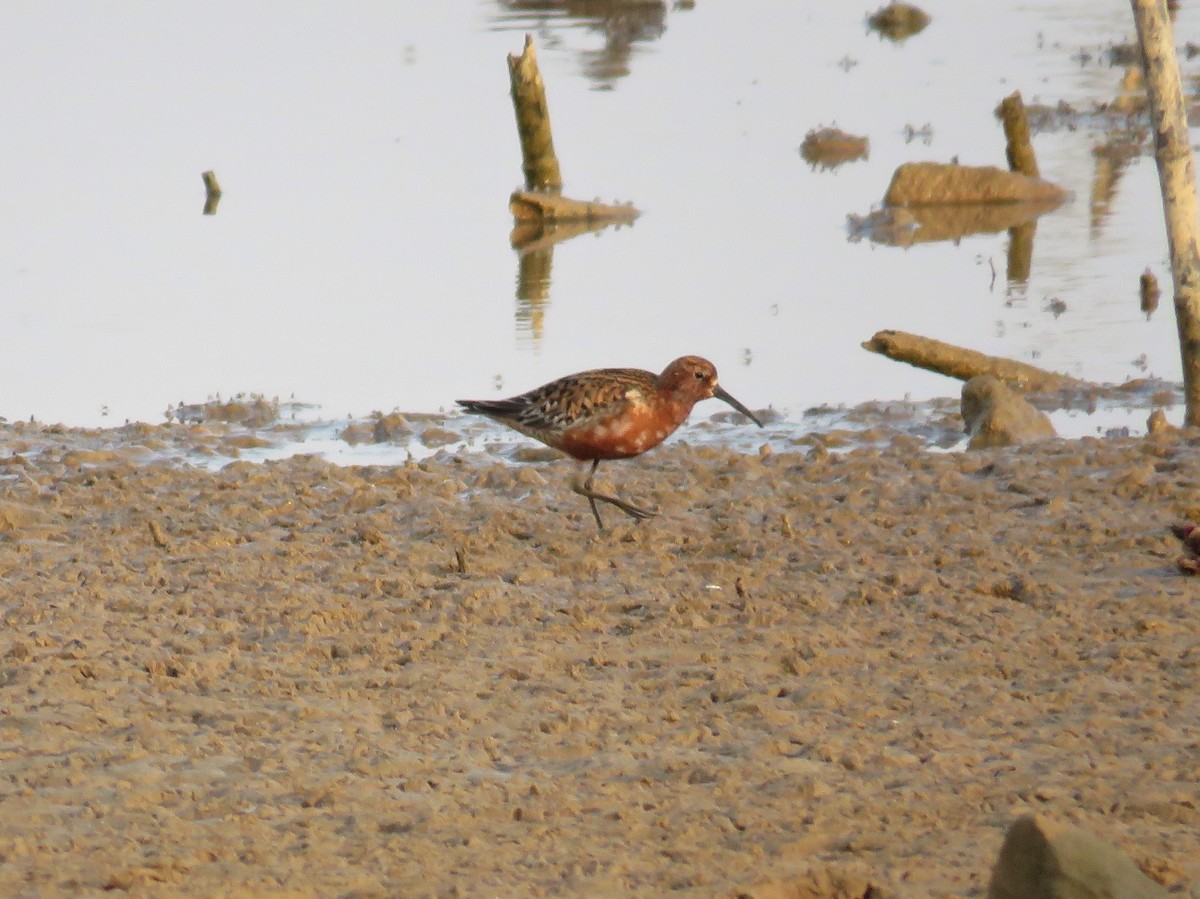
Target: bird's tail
(491,407)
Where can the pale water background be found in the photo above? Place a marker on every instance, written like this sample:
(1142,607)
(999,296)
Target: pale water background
(360,257)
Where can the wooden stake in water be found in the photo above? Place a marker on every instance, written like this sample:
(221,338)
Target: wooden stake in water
(212,193)
(1177,181)
(1019,149)
(538,159)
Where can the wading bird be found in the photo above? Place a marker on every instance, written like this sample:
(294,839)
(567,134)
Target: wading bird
(610,413)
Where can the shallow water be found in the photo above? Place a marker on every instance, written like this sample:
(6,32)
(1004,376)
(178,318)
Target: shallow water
(359,259)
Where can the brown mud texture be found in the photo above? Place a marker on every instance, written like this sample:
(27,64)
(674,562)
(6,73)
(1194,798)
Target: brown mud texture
(438,679)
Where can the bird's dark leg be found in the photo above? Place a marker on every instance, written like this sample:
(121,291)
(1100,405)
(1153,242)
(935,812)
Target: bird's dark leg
(585,489)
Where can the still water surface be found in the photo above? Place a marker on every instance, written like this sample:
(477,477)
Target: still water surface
(360,257)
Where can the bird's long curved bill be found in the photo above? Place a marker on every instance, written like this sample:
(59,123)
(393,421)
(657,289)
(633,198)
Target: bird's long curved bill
(720,393)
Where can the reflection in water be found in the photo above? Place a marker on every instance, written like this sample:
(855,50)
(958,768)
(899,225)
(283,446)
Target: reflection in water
(623,23)
(1112,158)
(533,292)
(1020,252)
(534,242)
(1123,144)
(427,106)
(902,226)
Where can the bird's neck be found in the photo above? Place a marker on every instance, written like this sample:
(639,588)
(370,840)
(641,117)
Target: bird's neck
(676,409)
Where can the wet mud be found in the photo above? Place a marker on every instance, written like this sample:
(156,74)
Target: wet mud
(435,679)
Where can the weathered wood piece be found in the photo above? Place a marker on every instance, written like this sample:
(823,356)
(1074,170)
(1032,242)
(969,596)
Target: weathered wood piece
(528,205)
(964,364)
(538,159)
(1177,181)
(1019,146)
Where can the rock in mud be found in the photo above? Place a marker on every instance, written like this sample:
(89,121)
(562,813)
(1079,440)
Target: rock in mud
(392,427)
(1045,859)
(995,415)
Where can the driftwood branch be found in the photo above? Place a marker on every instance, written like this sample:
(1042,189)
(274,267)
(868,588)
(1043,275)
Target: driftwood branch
(958,362)
(1177,180)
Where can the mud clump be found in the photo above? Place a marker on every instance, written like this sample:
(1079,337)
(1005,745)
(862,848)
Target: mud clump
(936,184)
(898,21)
(827,148)
(391,428)
(248,411)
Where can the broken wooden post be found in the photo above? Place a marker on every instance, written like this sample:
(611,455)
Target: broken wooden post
(212,193)
(1019,147)
(538,159)
(1177,181)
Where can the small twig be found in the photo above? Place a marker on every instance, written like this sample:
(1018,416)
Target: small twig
(157,535)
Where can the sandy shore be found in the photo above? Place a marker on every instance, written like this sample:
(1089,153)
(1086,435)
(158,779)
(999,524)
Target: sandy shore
(296,679)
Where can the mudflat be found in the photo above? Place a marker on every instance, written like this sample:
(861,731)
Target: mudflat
(439,679)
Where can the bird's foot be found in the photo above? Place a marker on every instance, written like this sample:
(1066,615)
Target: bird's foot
(628,508)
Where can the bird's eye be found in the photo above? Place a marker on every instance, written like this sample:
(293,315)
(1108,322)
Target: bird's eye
(699,376)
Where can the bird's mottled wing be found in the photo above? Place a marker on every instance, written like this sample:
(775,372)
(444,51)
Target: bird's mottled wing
(575,401)
(580,400)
